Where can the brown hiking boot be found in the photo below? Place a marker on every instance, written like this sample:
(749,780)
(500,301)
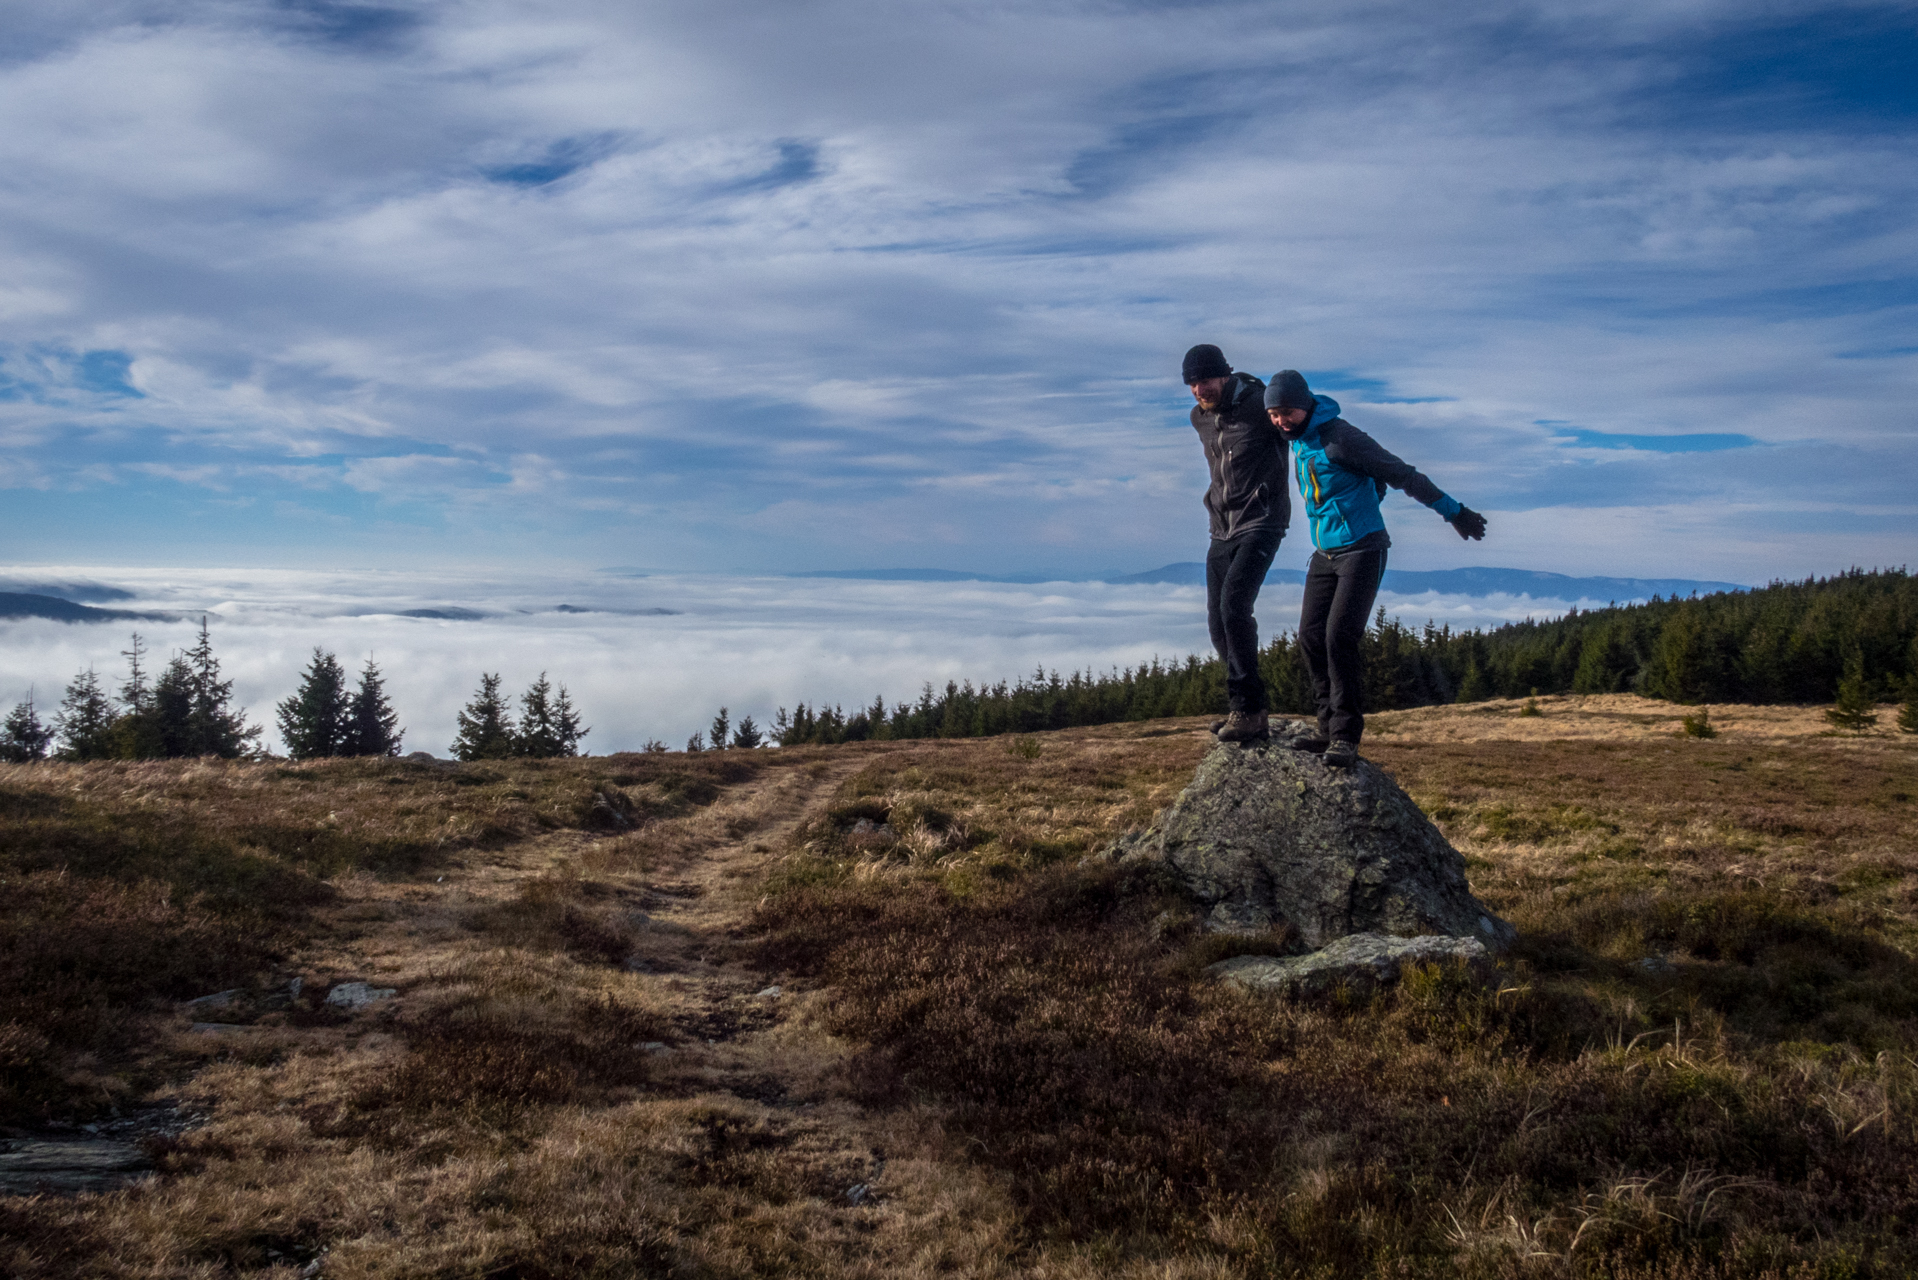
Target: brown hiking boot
(1342,755)
(1218,724)
(1243,726)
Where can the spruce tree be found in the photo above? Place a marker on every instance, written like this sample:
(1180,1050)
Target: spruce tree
(372,726)
(313,722)
(695,744)
(214,727)
(1474,687)
(566,725)
(133,693)
(1853,711)
(548,725)
(23,739)
(85,720)
(167,722)
(747,735)
(485,733)
(136,730)
(1908,712)
(721,732)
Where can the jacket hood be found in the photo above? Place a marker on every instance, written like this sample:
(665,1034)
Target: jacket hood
(1325,408)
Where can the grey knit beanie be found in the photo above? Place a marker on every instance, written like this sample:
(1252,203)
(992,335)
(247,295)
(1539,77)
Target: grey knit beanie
(1287,390)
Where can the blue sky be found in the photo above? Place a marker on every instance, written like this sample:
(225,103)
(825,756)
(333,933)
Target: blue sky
(845,283)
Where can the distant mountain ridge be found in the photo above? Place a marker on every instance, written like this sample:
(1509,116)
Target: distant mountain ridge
(79,592)
(1474,581)
(24,604)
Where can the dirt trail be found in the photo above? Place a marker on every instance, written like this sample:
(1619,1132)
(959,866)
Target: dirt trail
(698,906)
(687,895)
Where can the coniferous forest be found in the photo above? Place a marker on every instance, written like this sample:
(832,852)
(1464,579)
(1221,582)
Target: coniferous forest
(1793,642)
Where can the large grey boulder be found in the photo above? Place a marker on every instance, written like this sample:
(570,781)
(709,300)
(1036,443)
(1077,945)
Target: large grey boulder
(1267,836)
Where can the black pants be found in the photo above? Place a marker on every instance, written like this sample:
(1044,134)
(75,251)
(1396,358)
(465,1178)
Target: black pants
(1339,592)
(1234,572)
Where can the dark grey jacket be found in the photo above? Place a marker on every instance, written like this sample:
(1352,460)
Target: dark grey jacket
(1248,459)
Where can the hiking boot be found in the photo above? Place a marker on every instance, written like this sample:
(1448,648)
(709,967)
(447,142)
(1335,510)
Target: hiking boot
(1342,755)
(1313,746)
(1243,726)
(1217,725)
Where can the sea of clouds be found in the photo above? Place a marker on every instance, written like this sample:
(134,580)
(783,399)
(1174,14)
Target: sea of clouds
(649,657)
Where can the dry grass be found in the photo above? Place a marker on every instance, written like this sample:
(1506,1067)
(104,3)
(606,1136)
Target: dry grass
(582,1074)
(1740,1105)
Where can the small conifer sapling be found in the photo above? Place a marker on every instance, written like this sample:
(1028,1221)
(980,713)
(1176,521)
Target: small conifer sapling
(1908,710)
(1853,710)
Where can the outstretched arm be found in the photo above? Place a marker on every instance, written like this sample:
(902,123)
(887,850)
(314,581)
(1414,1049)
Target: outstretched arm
(1355,451)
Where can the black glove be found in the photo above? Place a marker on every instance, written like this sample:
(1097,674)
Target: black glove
(1469,523)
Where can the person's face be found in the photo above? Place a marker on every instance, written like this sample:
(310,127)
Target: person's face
(1283,418)
(1207,393)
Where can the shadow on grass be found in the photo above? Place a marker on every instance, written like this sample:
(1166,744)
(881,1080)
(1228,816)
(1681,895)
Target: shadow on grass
(1126,1102)
(1775,968)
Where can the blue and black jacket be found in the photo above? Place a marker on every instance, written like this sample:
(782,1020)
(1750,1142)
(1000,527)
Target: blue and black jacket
(1342,475)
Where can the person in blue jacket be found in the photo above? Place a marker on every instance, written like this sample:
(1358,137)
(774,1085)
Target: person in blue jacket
(1342,474)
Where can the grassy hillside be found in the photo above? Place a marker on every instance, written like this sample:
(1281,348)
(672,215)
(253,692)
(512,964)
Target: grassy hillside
(1699,1062)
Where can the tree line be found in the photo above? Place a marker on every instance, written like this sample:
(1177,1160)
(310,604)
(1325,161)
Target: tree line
(548,725)
(1852,638)
(187,711)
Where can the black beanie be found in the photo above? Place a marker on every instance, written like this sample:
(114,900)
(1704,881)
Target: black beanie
(1202,362)
(1287,390)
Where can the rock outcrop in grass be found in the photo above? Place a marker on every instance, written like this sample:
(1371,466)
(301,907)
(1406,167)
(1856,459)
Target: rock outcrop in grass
(1271,838)
(1357,962)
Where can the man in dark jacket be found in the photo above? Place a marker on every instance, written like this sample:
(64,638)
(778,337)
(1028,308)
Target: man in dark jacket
(1250,506)
(1342,475)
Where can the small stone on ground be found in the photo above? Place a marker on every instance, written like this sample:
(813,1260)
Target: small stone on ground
(1359,962)
(357,995)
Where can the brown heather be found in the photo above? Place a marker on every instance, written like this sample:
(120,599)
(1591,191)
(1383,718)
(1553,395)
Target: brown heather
(1013,1050)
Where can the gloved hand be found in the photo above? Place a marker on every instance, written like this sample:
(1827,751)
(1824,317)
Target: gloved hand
(1469,523)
